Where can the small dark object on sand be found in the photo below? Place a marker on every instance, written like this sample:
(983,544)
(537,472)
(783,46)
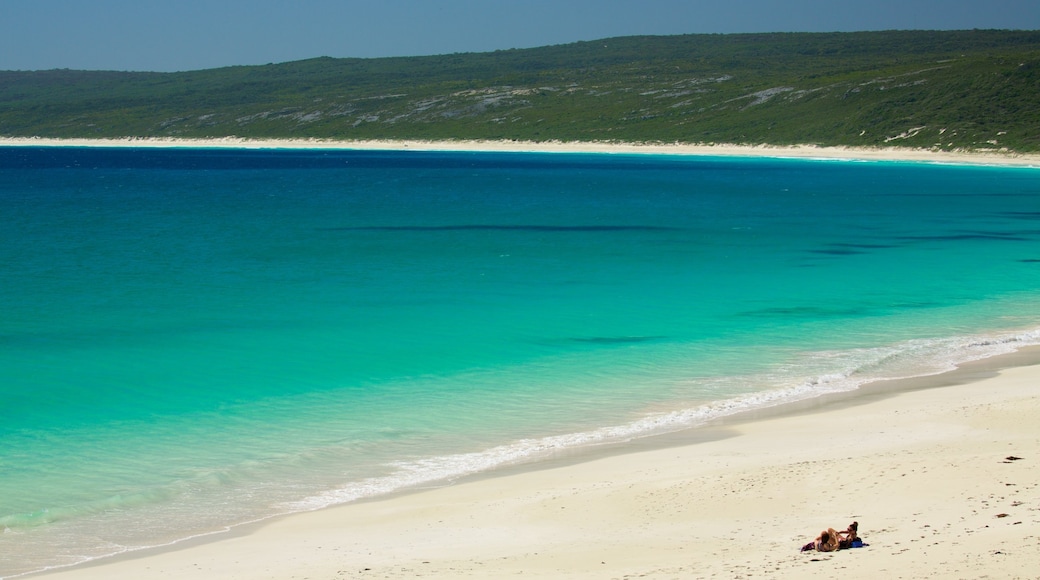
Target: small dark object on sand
(1012,458)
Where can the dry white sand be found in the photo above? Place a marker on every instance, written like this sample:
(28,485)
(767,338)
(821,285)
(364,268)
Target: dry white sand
(994,157)
(925,472)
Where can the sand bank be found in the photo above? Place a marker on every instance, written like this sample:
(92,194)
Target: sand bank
(995,157)
(923,466)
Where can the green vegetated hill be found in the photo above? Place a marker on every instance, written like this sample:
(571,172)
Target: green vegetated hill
(975,89)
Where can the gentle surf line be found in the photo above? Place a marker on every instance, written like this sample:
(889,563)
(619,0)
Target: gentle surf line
(412,475)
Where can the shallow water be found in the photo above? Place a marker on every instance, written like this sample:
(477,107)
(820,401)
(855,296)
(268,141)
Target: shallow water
(192,339)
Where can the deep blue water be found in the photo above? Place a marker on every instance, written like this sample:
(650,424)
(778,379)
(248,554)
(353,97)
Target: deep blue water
(191,339)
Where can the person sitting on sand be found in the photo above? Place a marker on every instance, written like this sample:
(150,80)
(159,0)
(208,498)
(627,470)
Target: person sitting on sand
(850,536)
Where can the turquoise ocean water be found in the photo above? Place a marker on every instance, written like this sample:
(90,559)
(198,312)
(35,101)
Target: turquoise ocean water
(193,339)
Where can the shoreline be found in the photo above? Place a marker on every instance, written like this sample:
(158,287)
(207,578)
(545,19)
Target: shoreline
(729,433)
(995,158)
(451,529)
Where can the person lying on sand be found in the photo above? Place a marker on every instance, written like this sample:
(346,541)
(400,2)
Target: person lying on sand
(831,540)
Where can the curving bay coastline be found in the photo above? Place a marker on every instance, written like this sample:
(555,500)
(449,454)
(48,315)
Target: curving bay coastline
(737,499)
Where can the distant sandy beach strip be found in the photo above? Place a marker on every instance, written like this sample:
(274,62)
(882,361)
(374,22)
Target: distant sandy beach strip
(942,473)
(995,157)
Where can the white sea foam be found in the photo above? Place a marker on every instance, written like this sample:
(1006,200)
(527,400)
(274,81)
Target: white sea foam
(844,371)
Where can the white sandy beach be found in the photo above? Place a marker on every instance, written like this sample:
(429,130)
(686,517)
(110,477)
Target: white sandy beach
(995,157)
(924,471)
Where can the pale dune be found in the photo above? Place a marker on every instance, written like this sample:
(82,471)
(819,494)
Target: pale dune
(922,465)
